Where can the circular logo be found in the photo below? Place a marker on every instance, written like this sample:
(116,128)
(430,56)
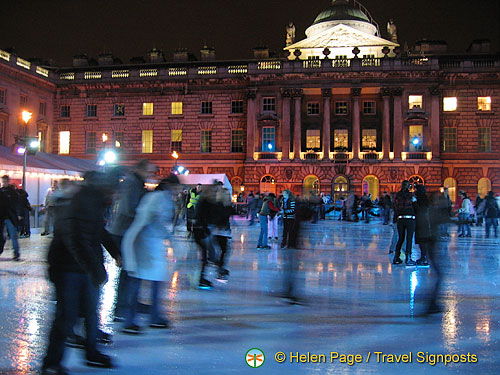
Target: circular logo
(255,358)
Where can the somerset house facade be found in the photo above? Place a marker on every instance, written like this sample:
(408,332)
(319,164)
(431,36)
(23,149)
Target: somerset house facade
(344,110)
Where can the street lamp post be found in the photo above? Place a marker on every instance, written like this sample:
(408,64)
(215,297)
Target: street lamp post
(26,118)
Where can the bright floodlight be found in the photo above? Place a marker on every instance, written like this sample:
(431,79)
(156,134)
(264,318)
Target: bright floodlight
(110,157)
(270,146)
(175,155)
(415,141)
(101,163)
(34,144)
(180,169)
(21,150)
(27,116)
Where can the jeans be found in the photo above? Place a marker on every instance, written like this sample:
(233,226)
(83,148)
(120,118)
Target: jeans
(75,293)
(491,222)
(49,219)
(463,228)
(12,234)
(387,215)
(406,228)
(133,288)
(263,231)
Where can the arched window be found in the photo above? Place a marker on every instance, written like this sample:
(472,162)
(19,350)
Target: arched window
(311,184)
(371,186)
(415,180)
(267,184)
(483,186)
(340,187)
(451,184)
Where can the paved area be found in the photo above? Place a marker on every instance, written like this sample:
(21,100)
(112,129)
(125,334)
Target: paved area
(357,304)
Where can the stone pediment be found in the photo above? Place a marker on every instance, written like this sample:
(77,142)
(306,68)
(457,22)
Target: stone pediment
(341,36)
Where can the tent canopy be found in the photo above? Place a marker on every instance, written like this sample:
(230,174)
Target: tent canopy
(205,179)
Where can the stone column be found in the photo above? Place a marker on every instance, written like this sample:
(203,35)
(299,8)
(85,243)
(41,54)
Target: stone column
(435,144)
(286,95)
(355,93)
(386,123)
(327,94)
(251,123)
(398,122)
(297,123)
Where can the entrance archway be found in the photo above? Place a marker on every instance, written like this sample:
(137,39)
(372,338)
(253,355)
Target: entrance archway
(371,186)
(483,186)
(311,184)
(340,187)
(267,184)
(451,184)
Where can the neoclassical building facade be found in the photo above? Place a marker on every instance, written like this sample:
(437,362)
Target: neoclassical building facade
(319,119)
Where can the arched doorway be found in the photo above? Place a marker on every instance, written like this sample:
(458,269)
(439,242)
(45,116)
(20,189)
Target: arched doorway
(340,187)
(236,183)
(483,186)
(451,184)
(267,184)
(415,180)
(311,184)
(371,186)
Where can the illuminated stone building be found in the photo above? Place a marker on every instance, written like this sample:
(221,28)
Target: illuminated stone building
(346,110)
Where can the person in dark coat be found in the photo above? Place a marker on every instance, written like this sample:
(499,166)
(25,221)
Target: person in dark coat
(425,233)
(404,215)
(9,207)
(24,212)
(491,214)
(76,267)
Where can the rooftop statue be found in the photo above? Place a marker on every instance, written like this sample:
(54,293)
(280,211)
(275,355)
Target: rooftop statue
(290,34)
(392,31)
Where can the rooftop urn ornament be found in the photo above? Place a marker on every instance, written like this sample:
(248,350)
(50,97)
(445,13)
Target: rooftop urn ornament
(297,53)
(386,51)
(326,52)
(392,31)
(355,52)
(290,34)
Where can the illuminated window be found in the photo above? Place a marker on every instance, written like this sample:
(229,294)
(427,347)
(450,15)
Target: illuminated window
(267,184)
(65,111)
(312,109)
(147,109)
(484,139)
(176,135)
(90,143)
(41,140)
(450,104)
(3,96)
(64,140)
(237,140)
(177,108)
(23,101)
(119,139)
(91,110)
(237,106)
(369,139)
(119,110)
(340,140)
(206,141)
(484,103)
(340,187)
(310,185)
(206,108)
(369,108)
(341,108)
(42,109)
(313,139)
(269,104)
(449,139)
(415,101)
(416,141)
(268,139)
(147,141)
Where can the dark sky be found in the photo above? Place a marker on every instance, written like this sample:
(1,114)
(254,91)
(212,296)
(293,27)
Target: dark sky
(59,29)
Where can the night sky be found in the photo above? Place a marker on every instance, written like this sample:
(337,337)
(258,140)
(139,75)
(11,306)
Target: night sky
(59,29)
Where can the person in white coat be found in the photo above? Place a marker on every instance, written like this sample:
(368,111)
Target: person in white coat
(144,251)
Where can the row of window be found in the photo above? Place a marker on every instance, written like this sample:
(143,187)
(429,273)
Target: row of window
(237,141)
(206,108)
(23,102)
(269,105)
(313,140)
